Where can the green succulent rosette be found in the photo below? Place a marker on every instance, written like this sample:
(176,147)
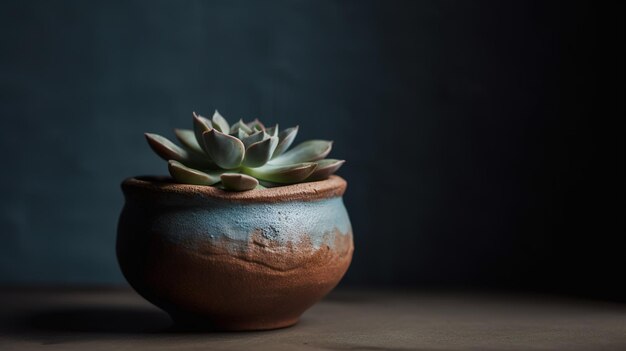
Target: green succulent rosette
(242,156)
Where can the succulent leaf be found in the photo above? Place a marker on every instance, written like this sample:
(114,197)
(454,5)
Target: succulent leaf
(238,182)
(220,123)
(272,131)
(225,150)
(201,125)
(307,151)
(285,139)
(188,175)
(256,125)
(167,150)
(241,134)
(285,174)
(254,137)
(260,152)
(325,168)
(242,126)
(187,137)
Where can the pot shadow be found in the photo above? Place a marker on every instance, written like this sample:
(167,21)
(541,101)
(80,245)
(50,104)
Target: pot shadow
(109,321)
(96,320)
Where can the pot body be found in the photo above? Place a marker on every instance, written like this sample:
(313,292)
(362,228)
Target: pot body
(224,261)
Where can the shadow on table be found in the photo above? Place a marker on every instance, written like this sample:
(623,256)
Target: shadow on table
(116,319)
(108,320)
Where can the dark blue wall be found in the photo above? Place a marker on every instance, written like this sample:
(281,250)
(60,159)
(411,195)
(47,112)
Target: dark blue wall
(81,82)
(484,139)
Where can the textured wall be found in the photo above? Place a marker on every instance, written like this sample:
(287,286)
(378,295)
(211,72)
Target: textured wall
(484,139)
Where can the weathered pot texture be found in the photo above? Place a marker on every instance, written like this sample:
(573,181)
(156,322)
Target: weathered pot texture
(234,260)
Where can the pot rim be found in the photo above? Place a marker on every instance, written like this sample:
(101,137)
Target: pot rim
(334,186)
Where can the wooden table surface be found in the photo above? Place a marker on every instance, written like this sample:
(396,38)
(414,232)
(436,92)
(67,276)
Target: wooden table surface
(118,319)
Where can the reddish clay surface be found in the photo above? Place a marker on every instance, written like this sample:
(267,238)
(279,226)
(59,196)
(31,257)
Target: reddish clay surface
(331,187)
(258,286)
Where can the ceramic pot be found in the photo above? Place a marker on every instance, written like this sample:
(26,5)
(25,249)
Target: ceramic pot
(233,260)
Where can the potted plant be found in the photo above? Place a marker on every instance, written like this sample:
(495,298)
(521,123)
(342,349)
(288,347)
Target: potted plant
(245,235)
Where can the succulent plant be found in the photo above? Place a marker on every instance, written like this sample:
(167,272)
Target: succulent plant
(236,157)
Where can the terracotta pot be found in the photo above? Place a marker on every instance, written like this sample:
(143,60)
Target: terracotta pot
(233,260)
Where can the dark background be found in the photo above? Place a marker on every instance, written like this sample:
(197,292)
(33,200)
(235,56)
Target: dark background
(484,139)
